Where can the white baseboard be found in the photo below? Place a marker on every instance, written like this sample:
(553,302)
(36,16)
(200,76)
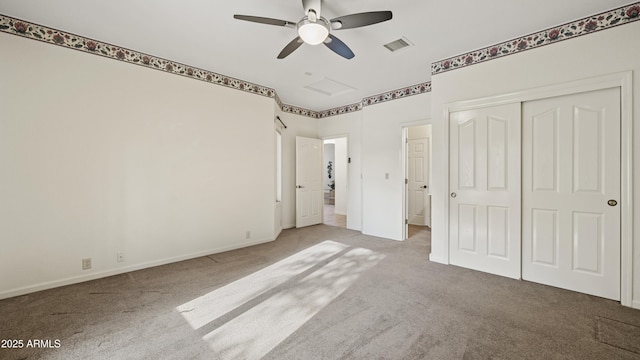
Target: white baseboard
(635,304)
(123,270)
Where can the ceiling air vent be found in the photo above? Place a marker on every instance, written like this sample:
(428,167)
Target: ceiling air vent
(398,44)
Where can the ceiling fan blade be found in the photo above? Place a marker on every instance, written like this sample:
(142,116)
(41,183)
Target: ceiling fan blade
(360,19)
(264,20)
(338,47)
(291,47)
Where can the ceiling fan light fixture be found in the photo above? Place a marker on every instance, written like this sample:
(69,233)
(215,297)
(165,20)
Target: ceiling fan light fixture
(313,33)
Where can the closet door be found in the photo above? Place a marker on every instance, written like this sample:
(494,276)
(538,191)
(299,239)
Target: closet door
(571,186)
(485,192)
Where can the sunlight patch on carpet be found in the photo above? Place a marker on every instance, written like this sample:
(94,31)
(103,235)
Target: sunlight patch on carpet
(211,306)
(260,329)
(251,316)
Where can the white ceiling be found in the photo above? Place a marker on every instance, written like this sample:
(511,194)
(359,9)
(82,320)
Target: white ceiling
(204,34)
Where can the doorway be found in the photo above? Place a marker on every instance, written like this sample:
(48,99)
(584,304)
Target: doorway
(335,180)
(417,140)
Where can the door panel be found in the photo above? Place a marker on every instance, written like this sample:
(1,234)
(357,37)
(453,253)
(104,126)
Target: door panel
(309,195)
(467,154)
(418,182)
(467,228)
(497,156)
(587,242)
(544,140)
(485,189)
(571,168)
(498,231)
(587,149)
(545,237)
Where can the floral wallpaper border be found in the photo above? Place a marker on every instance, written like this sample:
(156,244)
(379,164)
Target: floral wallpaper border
(42,33)
(340,110)
(602,21)
(56,37)
(397,94)
(380,98)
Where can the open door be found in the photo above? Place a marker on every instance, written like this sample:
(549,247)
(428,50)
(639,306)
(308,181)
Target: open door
(309,195)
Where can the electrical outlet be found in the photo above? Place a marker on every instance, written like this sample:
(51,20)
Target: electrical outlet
(248,235)
(120,256)
(86,264)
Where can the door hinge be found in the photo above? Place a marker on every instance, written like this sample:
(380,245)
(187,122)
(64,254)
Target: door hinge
(406,221)
(406,181)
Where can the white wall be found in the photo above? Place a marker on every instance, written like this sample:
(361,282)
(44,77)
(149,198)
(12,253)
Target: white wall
(98,156)
(601,53)
(382,205)
(341,176)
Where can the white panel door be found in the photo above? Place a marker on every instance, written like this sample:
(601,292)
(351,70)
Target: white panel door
(571,170)
(484,204)
(418,182)
(309,195)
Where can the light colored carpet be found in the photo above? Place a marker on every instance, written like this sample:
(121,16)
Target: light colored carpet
(320,292)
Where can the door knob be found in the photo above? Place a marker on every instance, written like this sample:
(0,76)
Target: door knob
(423,186)
(612,202)
(453,194)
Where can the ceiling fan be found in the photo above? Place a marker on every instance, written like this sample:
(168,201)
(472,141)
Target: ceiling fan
(314,29)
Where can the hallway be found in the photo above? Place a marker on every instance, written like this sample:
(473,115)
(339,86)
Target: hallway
(330,217)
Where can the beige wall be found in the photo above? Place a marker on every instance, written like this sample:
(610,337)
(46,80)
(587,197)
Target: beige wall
(596,54)
(99,157)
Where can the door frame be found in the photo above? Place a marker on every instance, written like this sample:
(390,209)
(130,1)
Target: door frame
(622,80)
